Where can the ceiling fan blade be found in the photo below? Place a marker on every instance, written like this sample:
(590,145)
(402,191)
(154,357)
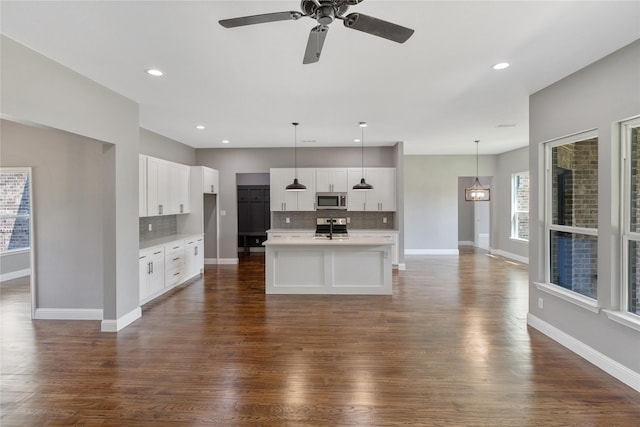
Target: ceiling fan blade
(260,19)
(315,43)
(377,27)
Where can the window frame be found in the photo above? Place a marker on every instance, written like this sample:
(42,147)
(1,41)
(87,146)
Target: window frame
(567,294)
(514,205)
(627,235)
(28,172)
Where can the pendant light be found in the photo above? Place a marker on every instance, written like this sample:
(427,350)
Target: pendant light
(295,186)
(362,185)
(477,193)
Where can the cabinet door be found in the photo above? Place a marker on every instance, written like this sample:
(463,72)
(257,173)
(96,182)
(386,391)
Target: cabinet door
(157,187)
(179,189)
(142,186)
(331,180)
(210,180)
(387,194)
(306,199)
(194,257)
(282,200)
(156,275)
(339,180)
(355,199)
(143,278)
(199,256)
(323,180)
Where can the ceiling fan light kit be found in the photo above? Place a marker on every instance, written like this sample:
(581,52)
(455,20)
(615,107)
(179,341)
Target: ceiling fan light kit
(477,193)
(325,12)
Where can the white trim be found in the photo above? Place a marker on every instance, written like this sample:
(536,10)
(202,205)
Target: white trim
(431,252)
(466,243)
(15,251)
(15,274)
(626,319)
(402,266)
(509,255)
(68,314)
(570,296)
(221,260)
(118,324)
(519,240)
(610,366)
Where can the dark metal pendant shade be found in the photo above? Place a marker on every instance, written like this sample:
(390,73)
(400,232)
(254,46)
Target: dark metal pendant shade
(363,186)
(295,186)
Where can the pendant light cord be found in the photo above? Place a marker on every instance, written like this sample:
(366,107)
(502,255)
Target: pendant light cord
(362,149)
(477,161)
(295,148)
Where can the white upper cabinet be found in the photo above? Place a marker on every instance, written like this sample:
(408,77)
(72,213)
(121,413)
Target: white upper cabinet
(383,196)
(210,180)
(282,200)
(166,185)
(331,180)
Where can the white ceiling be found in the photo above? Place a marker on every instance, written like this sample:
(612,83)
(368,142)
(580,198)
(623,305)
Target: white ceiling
(436,92)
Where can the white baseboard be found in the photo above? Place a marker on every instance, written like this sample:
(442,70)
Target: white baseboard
(15,274)
(509,255)
(126,320)
(466,243)
(610,366)
(228,261)
(68,314)
(431,252)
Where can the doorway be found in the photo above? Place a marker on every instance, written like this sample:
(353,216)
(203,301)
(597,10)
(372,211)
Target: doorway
(16,231)
(254,211)
(474,218)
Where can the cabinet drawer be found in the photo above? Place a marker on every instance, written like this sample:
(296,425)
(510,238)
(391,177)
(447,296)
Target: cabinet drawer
(173,276)
(174,247)
(174,261)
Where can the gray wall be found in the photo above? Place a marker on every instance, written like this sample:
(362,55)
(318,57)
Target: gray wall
(13,262)
(231,161)
(431,199)
(507,164)
(39,91)
(67,212)
(598,96)
(465,211)
(161,147)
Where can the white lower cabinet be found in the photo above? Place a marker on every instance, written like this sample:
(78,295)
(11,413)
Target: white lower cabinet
(194,256)
(168,265)
(152,271)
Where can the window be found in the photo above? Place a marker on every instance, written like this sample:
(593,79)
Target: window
(520,206)
(571,213)
(14,210)
(631,217)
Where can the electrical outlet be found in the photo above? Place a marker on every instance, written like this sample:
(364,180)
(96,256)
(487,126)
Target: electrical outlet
(287,220)
(150,227)
(223,213)
(540,303)
(384,220)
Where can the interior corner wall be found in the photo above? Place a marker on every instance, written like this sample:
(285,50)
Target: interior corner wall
(40,92)
(161,147)
(465,211)
(507,164)
(598,96)
(431,199)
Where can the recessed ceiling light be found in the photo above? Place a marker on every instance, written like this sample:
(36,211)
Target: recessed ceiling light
(200,127)
(154,72)
(506,125)
(362,124)
(225,141)
(501,66)
(356,140)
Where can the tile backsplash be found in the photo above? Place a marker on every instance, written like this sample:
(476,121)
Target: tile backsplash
(358,220)
(161,226)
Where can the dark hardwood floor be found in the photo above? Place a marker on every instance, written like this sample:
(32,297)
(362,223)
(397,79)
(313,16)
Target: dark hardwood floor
(450,348)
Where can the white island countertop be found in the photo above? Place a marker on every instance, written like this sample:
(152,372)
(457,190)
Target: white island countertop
(324,241)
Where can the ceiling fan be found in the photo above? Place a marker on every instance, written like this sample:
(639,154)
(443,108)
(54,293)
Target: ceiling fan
(325,12)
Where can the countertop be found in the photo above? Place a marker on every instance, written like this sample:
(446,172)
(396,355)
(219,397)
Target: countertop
(166,239)
(312,241)
(349,230)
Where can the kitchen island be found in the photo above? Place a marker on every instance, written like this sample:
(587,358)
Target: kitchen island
(310,265)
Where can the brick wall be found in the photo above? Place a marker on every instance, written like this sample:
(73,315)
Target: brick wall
(14,200)
(575,204)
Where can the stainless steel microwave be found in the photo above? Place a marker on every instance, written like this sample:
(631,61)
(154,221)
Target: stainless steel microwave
(331,201)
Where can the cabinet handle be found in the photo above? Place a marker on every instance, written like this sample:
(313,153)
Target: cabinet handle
(175,259)
(181,208)
(175,274)
(156,253)
(151,266)
(148,268)
(159,209)
(212,188)
(196,252)
(176,247)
